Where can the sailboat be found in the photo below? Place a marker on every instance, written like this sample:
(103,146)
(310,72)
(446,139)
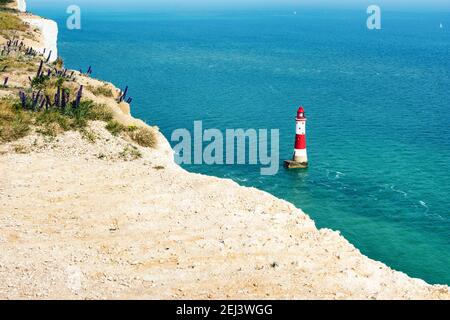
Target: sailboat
(441,26)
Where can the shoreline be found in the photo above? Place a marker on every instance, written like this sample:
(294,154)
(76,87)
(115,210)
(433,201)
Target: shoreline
(147,228)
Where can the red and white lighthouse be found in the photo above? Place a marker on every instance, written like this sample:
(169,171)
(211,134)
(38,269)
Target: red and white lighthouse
(300,158)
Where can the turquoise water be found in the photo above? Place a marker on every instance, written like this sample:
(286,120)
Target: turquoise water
(378,105)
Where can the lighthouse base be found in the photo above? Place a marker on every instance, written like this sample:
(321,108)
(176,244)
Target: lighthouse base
(291,164)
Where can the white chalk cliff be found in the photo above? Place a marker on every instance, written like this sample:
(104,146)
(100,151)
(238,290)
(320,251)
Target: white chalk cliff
(21,5)
(49,31)
(48,44)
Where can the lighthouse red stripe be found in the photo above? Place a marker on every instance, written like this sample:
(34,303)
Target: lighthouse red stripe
(300,142)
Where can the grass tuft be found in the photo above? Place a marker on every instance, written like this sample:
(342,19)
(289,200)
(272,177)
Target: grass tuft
(130,152)
(99,112)
(144,137)
(59,63)
(14,124)
(115,128)
(20,149)
(104,90)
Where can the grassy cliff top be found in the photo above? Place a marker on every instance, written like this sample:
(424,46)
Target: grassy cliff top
(37,96)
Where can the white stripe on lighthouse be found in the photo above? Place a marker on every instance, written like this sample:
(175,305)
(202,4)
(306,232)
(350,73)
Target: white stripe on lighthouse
(301,127)
(300,155)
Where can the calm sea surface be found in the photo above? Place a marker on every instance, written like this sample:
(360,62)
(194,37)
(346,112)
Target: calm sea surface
(378,105)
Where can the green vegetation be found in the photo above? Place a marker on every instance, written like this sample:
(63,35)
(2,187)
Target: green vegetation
(3,6)
(89,135)
(72,119)
(21,149)
(54,103)
(142,136)
(4,2)
(40,82)
(15,63)
(115,128)
(99,112)
(16,123)
(50,84)
(59,63)
(130,152)
(10,22)
(104,90)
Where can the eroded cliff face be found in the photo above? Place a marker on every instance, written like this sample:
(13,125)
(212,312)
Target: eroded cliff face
(49,36)
(48,31)
(21,5)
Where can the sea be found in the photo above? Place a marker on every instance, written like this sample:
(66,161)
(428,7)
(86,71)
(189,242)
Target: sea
(377,102)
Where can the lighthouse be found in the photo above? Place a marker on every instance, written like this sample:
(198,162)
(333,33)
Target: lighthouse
(300,158)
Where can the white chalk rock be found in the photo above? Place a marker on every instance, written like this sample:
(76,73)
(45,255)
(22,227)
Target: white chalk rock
(21,5)
(49,30)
